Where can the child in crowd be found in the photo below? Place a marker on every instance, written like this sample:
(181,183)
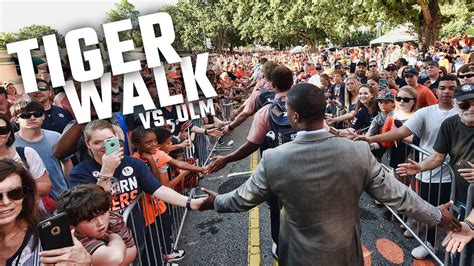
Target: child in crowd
(150,151)
(103,233)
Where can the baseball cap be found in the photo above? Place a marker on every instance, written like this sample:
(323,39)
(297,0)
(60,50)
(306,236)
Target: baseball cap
(362,63)
(385,94)
(464,92)
(410,71)
(391,67)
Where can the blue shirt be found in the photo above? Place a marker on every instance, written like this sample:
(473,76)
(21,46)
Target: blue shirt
(131,177)
(44,147)
(56,119)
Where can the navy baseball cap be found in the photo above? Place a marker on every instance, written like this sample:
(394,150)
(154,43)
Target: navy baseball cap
(464,92)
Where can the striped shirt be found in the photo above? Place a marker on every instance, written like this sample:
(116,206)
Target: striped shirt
(116,226)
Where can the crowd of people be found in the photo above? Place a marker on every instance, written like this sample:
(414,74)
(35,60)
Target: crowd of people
(387,96)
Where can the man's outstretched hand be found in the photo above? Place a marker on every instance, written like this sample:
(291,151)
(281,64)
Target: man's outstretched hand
(448,221)
(218,162)
(208,203)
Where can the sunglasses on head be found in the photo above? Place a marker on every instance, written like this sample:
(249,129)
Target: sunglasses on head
(17,193)
(43,88)
(405,99)
(463,76)
(464,105)
(4,130)
(36,114)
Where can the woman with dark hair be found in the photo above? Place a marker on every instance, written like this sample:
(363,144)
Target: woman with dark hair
(19,217)
(24,155)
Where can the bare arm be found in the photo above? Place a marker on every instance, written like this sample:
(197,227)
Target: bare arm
(43,184)
(67,142)
(111,254)
(67,166)
(397,134)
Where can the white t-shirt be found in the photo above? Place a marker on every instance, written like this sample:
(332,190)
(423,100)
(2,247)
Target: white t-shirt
(315,80)
(35,164)
(425,123)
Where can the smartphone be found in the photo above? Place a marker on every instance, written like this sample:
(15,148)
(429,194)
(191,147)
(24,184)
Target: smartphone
(112,145)
(463,164)
(55,232)
(383,83)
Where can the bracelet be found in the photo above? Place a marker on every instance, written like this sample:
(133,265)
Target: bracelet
(188,204)
(205,131)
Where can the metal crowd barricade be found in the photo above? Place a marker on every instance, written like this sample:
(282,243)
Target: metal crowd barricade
(160,237)
(415,231)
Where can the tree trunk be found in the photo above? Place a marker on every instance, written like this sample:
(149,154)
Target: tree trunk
(429,22)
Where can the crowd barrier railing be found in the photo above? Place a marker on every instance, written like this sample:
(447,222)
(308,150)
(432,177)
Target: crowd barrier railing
(415,227)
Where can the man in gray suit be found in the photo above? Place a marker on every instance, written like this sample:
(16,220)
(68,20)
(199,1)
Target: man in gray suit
(319,179)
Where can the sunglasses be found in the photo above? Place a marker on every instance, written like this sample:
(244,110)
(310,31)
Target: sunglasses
(14,194)
(464,105)
(43,88)
(463,76)
(28,115)
(4,130)
(372,66)
(404,99)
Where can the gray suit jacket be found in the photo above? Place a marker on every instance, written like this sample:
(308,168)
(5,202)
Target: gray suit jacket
(319,179)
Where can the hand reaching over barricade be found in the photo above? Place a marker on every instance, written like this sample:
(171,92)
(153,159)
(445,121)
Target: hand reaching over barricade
(74,255)
(456,241)
(448,221)
(214,132)
(410,168)
(218,162)
(208,202)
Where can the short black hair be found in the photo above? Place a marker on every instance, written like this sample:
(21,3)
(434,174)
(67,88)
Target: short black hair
(11,138)
(84,203)
(308,101)
(162,134)
(139,133)
(450,78)
(25,106)
(282,78)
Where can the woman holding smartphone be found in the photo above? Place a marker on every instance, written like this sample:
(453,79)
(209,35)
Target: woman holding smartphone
(19,217)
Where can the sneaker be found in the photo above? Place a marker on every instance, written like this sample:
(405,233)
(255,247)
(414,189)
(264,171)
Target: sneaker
(420,252)
(275,251)
(175,255)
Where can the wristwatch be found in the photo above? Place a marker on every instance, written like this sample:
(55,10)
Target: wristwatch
(437,215)
(188,204)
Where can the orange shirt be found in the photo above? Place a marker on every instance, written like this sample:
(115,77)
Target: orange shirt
(151,206)
(424,97)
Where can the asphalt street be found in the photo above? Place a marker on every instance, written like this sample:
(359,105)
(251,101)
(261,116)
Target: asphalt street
(210,238)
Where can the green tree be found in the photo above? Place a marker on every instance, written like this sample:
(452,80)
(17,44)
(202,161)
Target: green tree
(457,19)
(38,31)
(6,37)
(125,10)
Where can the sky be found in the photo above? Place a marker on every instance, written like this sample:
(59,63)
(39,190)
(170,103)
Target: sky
(65,15)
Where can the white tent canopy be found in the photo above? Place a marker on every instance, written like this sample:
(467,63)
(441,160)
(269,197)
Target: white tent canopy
(395,36)
(297,50)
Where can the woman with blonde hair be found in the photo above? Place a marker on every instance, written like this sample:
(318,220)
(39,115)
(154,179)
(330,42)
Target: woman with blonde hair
(351,98)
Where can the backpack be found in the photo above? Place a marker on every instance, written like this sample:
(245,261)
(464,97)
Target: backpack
(265,97)
(48,201)
(280,129)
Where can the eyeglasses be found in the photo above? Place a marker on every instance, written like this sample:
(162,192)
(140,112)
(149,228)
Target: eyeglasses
(17,193)
(36,114)
(4,130)
(464,105)
(43,88)
(463,76)
(404,99)
(372,66)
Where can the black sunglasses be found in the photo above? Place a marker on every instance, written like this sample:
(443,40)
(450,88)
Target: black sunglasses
(4,130)
(463,76)
(36,114)
(464,105)
(372,65)
(405,99)
(17,193)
